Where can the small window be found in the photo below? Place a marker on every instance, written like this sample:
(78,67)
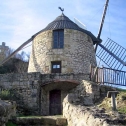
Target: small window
(58,39)
(56,67)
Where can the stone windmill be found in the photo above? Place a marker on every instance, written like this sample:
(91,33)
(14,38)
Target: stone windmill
(61,47)
(64,47)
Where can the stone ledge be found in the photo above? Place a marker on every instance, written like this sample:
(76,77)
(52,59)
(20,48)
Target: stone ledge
(41,120)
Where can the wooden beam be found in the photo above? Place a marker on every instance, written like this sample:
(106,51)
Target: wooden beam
(102,22)
(18,49)
(103,18)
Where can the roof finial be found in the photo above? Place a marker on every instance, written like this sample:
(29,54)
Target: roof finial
(62,9)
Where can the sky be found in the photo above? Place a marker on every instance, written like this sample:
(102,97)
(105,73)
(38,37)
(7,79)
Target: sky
(20,19)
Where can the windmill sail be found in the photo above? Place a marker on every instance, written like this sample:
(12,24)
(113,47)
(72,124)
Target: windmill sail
(80,24)
(102,22)
(18,49)
(112,54)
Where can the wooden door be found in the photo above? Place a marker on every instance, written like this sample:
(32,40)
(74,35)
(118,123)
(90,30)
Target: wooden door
(55,102)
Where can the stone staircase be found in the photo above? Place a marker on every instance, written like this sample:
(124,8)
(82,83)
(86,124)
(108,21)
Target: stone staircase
(40,121)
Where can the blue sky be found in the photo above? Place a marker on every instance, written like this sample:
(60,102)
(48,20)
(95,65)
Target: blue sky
(20,19)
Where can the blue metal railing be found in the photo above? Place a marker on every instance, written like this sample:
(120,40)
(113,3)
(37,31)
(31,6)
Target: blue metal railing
(108,76)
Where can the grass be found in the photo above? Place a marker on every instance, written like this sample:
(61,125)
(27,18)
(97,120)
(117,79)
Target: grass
(9,123)
(120,99)
(122,110)
(121,90)
(5,95)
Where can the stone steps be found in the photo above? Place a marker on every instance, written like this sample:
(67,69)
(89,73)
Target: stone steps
(40,121)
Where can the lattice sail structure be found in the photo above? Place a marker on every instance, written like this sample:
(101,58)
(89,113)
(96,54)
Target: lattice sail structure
(112,54)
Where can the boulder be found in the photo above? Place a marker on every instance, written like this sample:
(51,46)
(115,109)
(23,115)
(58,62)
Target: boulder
(7,110)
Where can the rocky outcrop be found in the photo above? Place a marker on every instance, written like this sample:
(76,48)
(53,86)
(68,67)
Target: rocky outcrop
(7,110)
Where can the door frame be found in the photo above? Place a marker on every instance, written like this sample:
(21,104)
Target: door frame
(57,65)
(53,92)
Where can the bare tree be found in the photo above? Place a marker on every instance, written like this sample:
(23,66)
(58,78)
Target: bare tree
(21,66)
(18,63)
(9,51)
(22,56)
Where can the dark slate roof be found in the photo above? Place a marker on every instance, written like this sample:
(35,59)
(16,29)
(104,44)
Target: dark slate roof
(63,22)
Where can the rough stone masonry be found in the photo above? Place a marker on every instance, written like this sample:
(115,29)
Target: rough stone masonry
(76,56)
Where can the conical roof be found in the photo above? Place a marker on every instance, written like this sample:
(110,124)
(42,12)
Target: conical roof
(63,22)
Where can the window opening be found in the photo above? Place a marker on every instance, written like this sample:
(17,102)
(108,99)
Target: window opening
(56,66)
(58,39)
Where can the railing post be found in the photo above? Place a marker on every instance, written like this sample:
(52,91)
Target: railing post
(103,74)
(113,95)
(95,74)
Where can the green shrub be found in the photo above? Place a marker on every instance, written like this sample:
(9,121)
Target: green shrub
(6,95)
(122,90)
(9,123)
(14,95)
(122,110)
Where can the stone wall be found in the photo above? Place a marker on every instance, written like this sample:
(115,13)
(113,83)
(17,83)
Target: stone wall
(29,88)
(86,93)
(25,87)
(46,78)
(76,56)
(78,105)
(52,78)
(79,115)
(75,104)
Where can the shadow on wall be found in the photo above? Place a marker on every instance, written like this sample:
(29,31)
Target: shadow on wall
(36,65)
(38,68)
